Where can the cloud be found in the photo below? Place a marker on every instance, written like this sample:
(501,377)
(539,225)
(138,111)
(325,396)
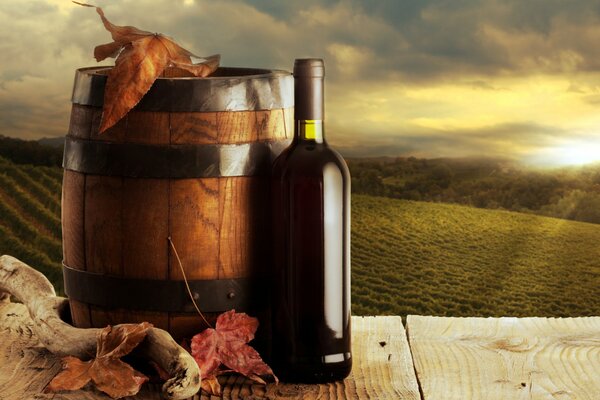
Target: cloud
(437,40)
(518,141)
(426,76)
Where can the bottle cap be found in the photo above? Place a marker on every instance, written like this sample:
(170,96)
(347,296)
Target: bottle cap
(309,74)
(309,68)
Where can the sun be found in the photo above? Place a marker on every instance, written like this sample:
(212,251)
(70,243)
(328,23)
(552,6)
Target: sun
(579,154)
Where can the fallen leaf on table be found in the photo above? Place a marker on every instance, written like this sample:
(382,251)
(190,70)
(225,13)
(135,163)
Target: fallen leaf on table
(107,371)
(74,376)
(227,344)
(142,57)
(116,378)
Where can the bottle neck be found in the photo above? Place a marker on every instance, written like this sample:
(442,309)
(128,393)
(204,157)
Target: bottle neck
(308,100)
(310,130)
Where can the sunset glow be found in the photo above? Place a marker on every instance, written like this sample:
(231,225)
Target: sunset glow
(579,154)
(431,79)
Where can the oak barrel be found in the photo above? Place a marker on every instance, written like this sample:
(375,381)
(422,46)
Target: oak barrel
(190,162)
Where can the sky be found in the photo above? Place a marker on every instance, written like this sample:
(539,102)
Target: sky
(517,79)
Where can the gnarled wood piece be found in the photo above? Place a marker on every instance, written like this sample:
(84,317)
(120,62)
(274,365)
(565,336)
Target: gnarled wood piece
(45,308)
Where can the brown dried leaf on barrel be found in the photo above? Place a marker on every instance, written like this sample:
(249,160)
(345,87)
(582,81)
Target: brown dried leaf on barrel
(141,57)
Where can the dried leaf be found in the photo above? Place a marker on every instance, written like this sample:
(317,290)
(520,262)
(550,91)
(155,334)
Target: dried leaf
(227,344)
(120,341)
(116,378)
(74,376)
(237,325)
(142,56)
(122,34)
(109,374)
(135,70)
(203,69)
(103,51)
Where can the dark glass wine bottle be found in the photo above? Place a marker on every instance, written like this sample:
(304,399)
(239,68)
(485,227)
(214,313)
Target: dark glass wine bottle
(311,245)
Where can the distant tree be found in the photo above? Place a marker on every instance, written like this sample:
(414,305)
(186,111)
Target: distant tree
(577,205)
(570,193)
(29,152)
(367,181)
(442,175)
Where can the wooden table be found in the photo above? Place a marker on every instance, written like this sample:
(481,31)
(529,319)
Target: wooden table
(454,358)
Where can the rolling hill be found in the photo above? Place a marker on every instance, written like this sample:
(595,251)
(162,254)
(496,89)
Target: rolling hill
(427,258)
(30,216)
(407,257)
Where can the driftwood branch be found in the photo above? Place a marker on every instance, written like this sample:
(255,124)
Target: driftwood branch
(45,308)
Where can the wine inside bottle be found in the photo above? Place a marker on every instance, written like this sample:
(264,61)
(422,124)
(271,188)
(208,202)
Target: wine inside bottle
(311,245)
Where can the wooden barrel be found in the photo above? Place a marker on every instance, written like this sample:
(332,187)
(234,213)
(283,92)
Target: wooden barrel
(190,162)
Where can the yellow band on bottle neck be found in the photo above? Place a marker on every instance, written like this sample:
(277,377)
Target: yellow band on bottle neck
(313,129)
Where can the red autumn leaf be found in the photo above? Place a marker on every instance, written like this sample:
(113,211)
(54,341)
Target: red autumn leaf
(107,371)
(142,57)
(227,345)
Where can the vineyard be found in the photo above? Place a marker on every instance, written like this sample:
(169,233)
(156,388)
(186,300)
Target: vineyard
(407,257)
(30,216)
(440,259)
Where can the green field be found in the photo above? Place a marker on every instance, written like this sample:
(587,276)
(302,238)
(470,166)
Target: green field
(30,216)
(407,257)
(426,258)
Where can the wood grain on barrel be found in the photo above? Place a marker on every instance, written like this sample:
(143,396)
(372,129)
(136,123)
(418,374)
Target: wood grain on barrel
(236,241)
(380,372)
(116,133)
(103,224)
(145,225)
(194,128)
(103,229)
(271,125)
(194,226)
(236,127)
(73,232)
(216,224)
(506,358)
(147,128)
(73,235)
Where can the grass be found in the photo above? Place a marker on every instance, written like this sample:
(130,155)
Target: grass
(426,258)
(407,257)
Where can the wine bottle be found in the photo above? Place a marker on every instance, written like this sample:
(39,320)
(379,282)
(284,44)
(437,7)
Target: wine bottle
(311,245)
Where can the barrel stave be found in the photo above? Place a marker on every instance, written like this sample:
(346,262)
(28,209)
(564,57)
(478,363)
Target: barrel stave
(120,225)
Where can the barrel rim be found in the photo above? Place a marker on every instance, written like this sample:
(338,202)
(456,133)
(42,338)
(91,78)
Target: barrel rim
(265,73)
(272,89)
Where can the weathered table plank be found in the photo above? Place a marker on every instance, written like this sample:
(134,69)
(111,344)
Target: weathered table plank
(382,367)
(506,358)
